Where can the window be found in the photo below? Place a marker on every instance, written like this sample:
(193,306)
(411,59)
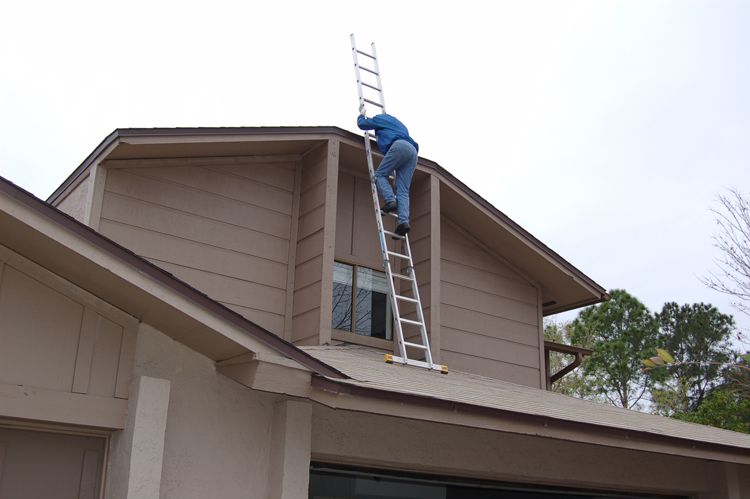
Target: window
(327,482)
(360,301)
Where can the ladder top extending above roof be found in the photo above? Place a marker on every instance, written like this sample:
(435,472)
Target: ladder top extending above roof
(375,98)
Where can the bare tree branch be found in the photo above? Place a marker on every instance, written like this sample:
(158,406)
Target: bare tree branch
(733,240)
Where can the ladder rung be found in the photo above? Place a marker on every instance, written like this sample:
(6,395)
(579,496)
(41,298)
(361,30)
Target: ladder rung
(373,102)
(365,53)
(391,214)
(372,136)
(394,234)
(418,363)
(406,298)
(398,255)
(371,86)
(402,276)
(368,70)
(415,345)
(408,321)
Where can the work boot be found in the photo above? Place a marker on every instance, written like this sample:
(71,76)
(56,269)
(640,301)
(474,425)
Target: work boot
(389,207)
(402,230)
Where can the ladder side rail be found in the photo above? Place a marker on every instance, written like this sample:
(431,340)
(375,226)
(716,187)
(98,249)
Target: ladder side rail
(384,250)
(377,76)
(399,333)
(357,74)
(415,295)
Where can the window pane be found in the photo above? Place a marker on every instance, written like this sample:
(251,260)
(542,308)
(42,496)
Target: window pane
(373,308)
(342,296)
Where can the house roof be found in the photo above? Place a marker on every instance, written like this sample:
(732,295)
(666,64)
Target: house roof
(370,377)
(564,287)
(45,235)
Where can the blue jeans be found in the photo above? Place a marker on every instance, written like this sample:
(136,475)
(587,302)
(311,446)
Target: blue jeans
(401,158)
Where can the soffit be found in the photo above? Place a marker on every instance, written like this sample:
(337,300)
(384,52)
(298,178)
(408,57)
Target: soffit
(197,147)
(559,281)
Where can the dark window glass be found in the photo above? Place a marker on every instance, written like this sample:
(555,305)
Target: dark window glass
(360,301)
(372,303)
(342,296)
(336,484)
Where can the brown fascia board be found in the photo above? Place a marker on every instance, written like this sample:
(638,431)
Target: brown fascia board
(317,130)
(175,132)
(163,277)
(520,231)
(342,388)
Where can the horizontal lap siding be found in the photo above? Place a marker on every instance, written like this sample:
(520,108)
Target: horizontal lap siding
(489,314)
(222,229)
(306,313)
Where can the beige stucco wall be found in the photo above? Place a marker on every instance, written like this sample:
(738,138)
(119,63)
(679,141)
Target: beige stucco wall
(218,432)
(398,444)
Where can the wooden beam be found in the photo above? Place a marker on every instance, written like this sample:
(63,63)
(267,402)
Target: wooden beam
(201,161)
(50,406)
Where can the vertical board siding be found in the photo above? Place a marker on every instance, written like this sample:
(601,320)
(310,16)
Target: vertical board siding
(420,244)
(489,314)
(56,336)
(365,241)
(357,239)
(345,226)
(310,246)
(39,333)
(225,230)
(356,228)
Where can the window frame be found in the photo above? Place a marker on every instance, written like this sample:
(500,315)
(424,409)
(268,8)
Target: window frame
(352,336)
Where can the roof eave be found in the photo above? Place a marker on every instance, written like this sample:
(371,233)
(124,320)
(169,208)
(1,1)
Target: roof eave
(158,276)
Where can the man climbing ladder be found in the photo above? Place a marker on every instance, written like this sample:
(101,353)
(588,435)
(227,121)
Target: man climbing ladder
(400,155)
(400,158)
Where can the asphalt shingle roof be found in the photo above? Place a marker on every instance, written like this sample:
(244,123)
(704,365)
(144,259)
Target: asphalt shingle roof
(367,369)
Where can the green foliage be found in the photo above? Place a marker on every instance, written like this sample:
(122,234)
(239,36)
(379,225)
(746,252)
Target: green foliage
(697,336)
(721,409)
(577,383)
(621,331)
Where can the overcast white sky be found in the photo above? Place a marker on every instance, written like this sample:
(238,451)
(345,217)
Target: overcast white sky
(604,128)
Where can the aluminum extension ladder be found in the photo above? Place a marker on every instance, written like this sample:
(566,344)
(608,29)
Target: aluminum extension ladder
(410,276)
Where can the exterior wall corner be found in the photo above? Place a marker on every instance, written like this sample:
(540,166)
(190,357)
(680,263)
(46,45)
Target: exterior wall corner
(291,436)
(137,452)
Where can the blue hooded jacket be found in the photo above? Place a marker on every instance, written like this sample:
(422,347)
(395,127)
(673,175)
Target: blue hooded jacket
(387,129)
